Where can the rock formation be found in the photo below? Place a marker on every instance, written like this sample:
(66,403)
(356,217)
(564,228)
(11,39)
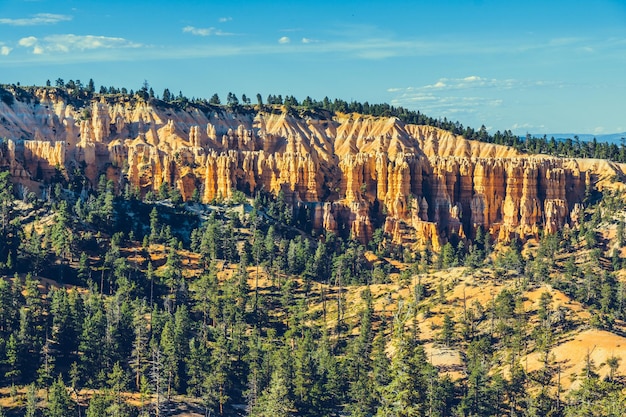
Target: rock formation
(420,183)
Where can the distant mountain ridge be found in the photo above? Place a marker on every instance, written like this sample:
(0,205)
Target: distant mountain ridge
(586,137)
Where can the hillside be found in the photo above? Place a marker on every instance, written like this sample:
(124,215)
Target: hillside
(348,173)
(159,259)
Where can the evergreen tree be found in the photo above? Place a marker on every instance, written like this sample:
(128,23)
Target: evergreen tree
(93,334)
(216,383)
(447,330)
(215,100)
(63,328)
(405,393)
(140,353)
(98,406)
(275,401)
(60,403)
(204,294)
(168,348)
(31,401)
(13,351)
(117,382)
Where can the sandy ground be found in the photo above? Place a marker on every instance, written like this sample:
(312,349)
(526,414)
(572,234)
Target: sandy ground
(570,356)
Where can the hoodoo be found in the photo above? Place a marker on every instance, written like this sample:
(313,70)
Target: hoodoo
(355,172)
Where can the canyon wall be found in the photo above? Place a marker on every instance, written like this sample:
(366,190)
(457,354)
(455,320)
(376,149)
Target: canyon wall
(355,172)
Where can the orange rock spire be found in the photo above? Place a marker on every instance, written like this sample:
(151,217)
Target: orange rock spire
(421,183)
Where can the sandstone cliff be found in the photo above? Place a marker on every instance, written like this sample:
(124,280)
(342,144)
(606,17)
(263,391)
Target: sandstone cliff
(355,172)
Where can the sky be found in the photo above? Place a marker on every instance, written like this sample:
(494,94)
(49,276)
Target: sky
(527,66)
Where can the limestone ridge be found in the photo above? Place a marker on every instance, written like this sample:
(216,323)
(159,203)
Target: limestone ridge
(353,172)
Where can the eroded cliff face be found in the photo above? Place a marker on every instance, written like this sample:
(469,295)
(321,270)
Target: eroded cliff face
(421,184)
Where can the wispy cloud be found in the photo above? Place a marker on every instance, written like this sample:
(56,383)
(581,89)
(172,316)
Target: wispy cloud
(225,19)
(519,128)
(69,42)
(5,50)
(447,105)
(471,97)
(211,31)
(38,19)
(476,82)
(453,97)
(375,46)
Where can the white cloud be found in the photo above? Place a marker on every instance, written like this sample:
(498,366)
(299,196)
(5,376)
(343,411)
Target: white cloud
(70,42)
(198,31)
(38,19)
(520,127)
(445,104)
(474,82)
(439,103)
(471,99)
(28,42)
(5,50)
(376,47)
(205,31)
(225,19)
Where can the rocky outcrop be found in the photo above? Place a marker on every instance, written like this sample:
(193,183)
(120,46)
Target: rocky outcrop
(353,172)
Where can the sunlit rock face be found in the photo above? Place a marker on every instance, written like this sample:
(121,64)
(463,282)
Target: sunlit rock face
(354,172)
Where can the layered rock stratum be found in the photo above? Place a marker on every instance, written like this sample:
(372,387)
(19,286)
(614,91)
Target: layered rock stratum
(353,172)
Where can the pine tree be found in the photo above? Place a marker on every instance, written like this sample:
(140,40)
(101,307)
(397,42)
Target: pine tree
(215,100)
(75,383)
(447,330)
(144,395)
(182,334)
(154,224)
(117,382)
(45,373)
(173,272)
(275,401)
(216,383)
(306,381)
(204,294)
(167,96)
(405,395)
(13,352)
(168,349)
(63,329)
(92,336)
(140,352)
(98,406)
(31,401)
(60,403)
(197,366)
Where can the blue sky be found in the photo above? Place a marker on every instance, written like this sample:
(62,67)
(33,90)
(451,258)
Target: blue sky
(529,66)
